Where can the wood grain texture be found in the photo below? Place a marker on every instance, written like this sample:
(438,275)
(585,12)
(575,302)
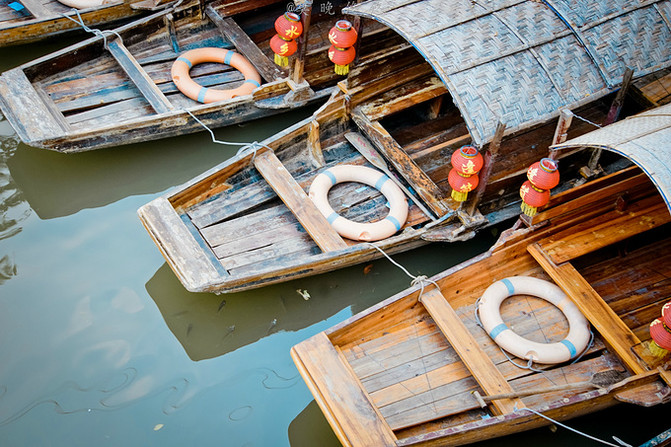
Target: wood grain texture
(298,202)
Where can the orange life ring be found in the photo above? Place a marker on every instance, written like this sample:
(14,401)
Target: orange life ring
(488,309)
(374,231)
(180,74)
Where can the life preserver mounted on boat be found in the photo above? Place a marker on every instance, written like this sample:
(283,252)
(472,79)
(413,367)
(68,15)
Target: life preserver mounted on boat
(374,231)
(181,66)
(85,4)
(489,311)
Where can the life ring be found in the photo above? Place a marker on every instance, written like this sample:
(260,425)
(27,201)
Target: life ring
(373,231)
(489,311)
(180,74)
(85,4)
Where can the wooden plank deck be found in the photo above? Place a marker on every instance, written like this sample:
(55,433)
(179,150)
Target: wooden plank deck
(614,332)
(477,361)
(340,395)
(230,29)
(140,78)
(298,202)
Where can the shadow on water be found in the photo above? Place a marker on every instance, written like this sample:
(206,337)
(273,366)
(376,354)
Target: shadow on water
(311,428)
(209,325)
(58,184)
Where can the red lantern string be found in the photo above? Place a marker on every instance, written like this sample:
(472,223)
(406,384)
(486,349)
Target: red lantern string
(463,177)
(342,52)
(535,192)
(283,44)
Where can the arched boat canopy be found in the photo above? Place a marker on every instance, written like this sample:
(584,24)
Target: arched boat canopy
(645,139)
(521,61)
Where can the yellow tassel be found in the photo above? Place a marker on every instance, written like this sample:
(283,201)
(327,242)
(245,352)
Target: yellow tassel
(459,196)
(342,69)
(529,210)
(656,350)
(282,61)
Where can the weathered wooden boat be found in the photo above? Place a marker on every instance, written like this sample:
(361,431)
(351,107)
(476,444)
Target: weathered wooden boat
(117,88)
(24,21)
(419,369)
(249,221)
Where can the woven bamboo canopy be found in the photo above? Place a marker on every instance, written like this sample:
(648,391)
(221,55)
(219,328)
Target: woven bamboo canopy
(645,139)
(521,61)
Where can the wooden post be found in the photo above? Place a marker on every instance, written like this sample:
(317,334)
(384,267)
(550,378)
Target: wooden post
(486,171)
(298,66)
(561,133)
(357,25)
(613,115)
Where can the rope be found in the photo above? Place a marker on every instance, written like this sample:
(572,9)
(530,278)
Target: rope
(253,146)
(421,279)
(94,31)
(620,442)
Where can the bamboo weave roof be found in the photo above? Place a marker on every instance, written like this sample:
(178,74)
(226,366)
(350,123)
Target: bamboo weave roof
(521,61)
(644,138)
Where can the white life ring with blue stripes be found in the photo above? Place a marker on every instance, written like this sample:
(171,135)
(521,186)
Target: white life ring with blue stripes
(181,66)
(490,316)
(373,231)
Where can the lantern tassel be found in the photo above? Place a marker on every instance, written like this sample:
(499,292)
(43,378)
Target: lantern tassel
(342,69)
(529,210)
(282,61)
(459,196)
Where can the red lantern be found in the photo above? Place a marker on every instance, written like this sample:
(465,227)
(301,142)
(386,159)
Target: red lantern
(666,314)
(533,198)
(543,174)
(535,192)
(288,27)
(660,334)
(342,53)
(342,35)
(282,49)
(467,160)
(463,177)
(341,57)
(461,185)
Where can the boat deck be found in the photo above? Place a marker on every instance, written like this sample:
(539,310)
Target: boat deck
(418,360)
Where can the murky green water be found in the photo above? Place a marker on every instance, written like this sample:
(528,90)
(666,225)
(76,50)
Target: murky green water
(101,345)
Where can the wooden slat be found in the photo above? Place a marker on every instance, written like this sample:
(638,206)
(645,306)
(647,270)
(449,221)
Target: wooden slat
(245,45)
(298,202)
(614,332)
(590,236)
(400,100)
(140,78)
(185,255)
(478,363)
(413,174)
(26,111)
(338,392)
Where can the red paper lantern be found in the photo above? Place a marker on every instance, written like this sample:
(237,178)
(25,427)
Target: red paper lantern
(341,53)
(463,177)
(288,27)
(467,160)
(342,35)
(666,314)
(660,334)
(543,174)
(341,57)
(533,198)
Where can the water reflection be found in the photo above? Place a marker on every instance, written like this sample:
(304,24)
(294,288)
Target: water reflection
(209,326)
(311,428)
(58,184)
(13,206)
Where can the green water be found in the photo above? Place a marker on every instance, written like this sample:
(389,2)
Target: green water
(101,345)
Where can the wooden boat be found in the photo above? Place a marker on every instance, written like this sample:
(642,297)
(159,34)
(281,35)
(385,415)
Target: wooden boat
(25,21)
(117,89)
(249,222)
(405,372)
